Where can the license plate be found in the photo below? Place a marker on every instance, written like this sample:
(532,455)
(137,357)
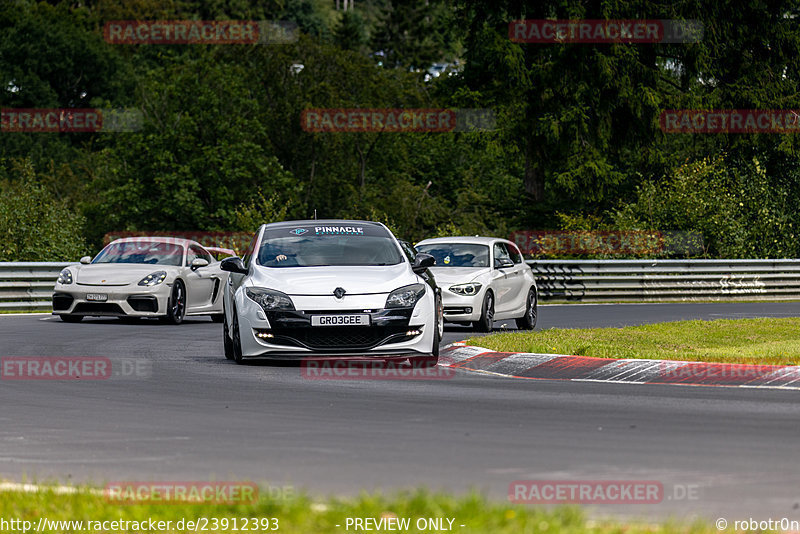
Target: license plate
(340,320)
(99,297)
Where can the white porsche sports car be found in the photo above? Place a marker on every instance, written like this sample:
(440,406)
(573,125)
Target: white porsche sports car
(142,277)
(331,288)
(483,279)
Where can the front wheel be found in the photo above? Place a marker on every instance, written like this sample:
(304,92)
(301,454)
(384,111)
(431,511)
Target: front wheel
(227,342)
(237,340)
(176,306)
(528,321)
(485,323)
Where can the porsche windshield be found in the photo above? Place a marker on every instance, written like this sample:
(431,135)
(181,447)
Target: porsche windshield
(328,245)
(147,252)
(457,254)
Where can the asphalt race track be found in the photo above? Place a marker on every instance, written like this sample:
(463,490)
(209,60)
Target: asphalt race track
(719,452)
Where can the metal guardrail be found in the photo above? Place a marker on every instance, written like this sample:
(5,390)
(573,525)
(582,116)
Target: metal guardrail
(29,285)
(667,280)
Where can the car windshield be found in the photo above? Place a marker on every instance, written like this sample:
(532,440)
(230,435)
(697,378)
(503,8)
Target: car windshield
(147,252)
(457,254)
(315,246)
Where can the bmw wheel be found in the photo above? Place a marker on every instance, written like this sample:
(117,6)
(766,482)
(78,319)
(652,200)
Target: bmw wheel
(485,323)
(528,321)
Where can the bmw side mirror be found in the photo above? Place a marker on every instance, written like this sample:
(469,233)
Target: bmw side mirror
(503,263)
(422,262)
(199,262)
(86,260)
(233,265)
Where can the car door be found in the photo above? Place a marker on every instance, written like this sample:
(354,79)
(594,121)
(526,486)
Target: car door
(200,281)
(518,281)
(502,283)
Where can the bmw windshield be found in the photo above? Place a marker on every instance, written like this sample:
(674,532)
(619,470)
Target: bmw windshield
(316,246)
(146,252)
(457,254)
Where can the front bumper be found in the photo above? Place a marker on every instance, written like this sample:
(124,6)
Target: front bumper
(461,308)
(121,301)
(392,333)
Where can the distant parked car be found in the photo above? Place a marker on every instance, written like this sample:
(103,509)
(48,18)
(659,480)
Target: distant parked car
(483,279)
(142,277)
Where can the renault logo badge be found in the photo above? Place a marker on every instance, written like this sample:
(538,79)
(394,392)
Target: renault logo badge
(339,292)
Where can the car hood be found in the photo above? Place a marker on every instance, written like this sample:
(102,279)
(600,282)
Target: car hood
(355,280)
(116,274)
(457,275)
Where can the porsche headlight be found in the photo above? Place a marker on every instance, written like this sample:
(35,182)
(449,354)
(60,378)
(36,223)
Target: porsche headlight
(153,279)
(406,296)
(269,299)
(65,277)
(468,290)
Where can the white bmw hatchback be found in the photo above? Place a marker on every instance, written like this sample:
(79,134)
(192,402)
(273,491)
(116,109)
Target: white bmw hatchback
(331,288)
(162,277)
(483,279)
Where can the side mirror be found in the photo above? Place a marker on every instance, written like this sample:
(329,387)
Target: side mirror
(422,262)
(86,260)
(199,262)
(233,265)
(503,263)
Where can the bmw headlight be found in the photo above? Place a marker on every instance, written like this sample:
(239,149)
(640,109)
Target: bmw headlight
(468,290)
(269,299)
(405,297)
(65,277)
(153,279)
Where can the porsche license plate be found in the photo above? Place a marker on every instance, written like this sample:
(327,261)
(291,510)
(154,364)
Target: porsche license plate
(340,320)
(97,297)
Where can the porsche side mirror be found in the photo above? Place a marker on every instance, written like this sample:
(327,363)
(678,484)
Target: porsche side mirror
(233,265)
(86,260)
(422,262)
(199,262)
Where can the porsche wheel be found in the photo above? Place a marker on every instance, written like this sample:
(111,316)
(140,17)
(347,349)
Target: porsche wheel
(176,307)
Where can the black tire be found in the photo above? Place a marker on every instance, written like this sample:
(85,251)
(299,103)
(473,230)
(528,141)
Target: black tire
(71,318)
(433,359)
(227,342)
(237,340)
(528,321)
(176,306)
(486,322)
(218,317)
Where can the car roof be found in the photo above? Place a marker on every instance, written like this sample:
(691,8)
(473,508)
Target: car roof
(322,222)
(158,239)
(474,240)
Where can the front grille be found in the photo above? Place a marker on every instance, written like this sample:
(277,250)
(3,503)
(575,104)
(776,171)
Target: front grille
(339,337)
(143,304)
(62,301)
(98,308)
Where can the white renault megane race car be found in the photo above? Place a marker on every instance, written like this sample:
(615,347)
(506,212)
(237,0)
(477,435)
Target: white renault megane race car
(483,279)
(331,288)
(142,277)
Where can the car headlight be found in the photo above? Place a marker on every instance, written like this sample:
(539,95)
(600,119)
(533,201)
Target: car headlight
(153,279)
(65,277)
(269,299)
(468,290)
(406,296)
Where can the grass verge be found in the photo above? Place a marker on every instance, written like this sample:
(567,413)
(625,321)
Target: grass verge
(299,514)
(774,341)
